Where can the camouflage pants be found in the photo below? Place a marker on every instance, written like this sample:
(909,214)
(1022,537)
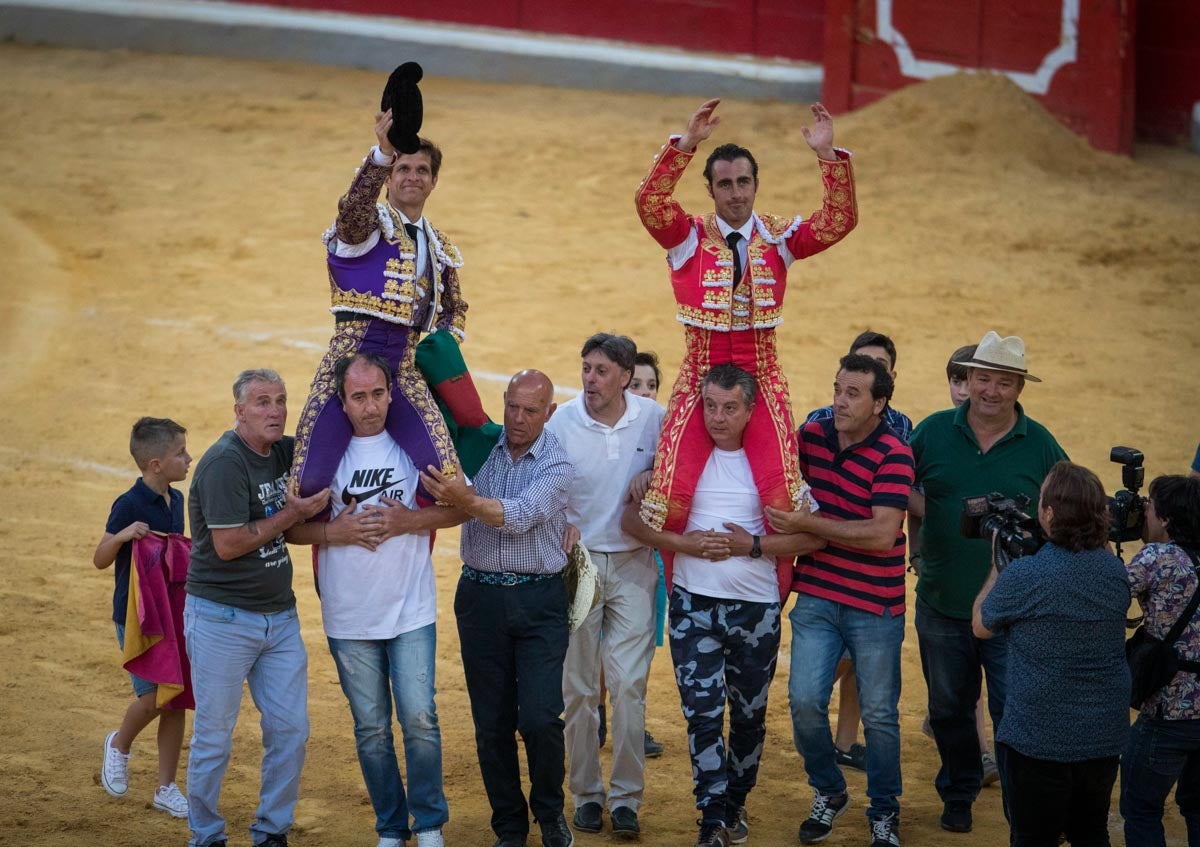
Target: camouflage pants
(724,651)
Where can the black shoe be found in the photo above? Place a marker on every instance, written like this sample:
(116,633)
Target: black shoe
(826,808)
(279,840)
(739,829)
(588,817)
(652,748)
(885,831)
(855,757)
(625,822)
(603,732)
(556,833)
(712,834)
(510,841)
(956,816)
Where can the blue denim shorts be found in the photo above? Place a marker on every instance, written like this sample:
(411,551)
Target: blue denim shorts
(140,686)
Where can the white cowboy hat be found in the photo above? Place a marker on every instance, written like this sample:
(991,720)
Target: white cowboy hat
(581,578)
(1001,354)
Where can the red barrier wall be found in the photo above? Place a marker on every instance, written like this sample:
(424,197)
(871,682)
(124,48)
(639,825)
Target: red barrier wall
(1168,67)
(791,29)
(1094,95)
(1076,56)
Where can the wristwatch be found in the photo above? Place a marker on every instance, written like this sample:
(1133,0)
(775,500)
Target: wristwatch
(756,548)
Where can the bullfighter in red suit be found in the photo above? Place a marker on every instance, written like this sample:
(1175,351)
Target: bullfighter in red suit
(729,272)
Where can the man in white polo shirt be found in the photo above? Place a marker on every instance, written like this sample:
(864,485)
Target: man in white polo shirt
(379,607)
(610,436)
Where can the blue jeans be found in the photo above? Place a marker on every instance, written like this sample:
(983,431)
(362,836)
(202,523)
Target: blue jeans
(228,646)
(951,659)
(821,630)
(365,670)
(725,653)
(1159,754)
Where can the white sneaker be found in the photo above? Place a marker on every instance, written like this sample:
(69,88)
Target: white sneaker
(171,800)
(430,838)
(991,773)
(114,770)
(385,841)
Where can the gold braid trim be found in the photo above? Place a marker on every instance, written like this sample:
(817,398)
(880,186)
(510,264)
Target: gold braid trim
(776,400)
(357,218)
(415,389)
(684,403)
(654,198)
(346,340)
(839,211)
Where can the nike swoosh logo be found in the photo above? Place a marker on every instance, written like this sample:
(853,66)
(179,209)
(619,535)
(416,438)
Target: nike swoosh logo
(360,496)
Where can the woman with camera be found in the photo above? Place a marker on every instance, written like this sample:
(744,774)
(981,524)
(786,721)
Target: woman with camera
(1164,744)
(1066,717)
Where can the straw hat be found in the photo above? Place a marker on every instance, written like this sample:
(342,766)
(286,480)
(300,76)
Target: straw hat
(1001,354)
(581,579)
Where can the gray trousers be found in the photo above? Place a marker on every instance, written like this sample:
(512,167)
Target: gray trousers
(625,617)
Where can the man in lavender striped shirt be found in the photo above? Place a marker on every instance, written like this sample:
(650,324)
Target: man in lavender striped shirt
(511,607)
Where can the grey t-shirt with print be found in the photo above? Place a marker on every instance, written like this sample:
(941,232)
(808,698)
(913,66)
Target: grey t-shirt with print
(233,485)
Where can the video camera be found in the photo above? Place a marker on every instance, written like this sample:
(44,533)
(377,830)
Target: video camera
(1127,508)
(1004,520)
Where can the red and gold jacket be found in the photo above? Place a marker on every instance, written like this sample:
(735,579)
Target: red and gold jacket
(704,284)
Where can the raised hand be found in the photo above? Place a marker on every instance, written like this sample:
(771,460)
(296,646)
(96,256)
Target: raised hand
(820,137)
(700,126)
(383,123)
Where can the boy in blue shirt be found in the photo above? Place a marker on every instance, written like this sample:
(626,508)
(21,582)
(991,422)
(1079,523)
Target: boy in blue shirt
(159,447)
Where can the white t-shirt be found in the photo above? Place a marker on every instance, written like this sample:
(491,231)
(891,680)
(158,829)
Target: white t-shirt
(370,595)
(606,458)
(726,493)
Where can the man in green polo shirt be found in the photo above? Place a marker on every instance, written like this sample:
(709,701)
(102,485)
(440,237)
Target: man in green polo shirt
(987,444)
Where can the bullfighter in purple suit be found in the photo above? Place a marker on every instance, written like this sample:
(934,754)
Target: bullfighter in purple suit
(392,277)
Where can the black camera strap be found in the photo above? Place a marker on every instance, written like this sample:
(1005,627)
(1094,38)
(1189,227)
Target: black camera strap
(1186,617)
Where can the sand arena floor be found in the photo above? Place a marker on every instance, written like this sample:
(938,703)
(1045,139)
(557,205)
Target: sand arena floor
(160,220)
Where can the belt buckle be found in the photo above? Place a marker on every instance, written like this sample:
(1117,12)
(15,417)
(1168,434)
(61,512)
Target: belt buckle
(508,579)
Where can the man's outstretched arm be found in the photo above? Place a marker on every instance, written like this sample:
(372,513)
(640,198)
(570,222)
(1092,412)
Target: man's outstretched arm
(838,214)
(357,218)
(660,214)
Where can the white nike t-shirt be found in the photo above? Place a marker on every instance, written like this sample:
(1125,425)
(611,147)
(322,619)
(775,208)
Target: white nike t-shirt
(365,594)
(726,493)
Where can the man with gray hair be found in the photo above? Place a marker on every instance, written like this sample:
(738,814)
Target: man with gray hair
(725,610)
(610,436)
(240,615)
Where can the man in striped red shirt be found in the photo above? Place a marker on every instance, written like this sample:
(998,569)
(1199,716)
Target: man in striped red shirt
(851,593)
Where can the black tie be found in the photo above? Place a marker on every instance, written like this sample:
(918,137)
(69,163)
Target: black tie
(732,240)
(412,230)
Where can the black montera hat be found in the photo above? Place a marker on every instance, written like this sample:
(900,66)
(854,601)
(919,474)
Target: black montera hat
(402,96)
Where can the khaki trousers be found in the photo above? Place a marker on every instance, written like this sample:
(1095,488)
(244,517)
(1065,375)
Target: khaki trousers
(618,634)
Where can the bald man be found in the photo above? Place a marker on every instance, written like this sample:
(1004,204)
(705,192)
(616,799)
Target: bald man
(511,607)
